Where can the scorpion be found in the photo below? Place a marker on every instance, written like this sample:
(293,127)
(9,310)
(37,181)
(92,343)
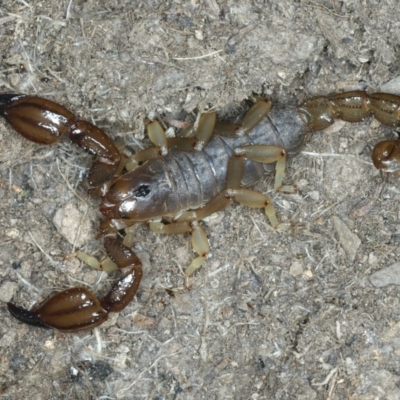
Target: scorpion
(181,180)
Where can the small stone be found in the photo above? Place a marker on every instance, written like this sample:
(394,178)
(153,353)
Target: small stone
(143,322)
(7,290)
(308,273)
(296,269)
(372,259)
(73,224)
(13,233)
(198,34)
(314,194)
(348,240)
(386,276)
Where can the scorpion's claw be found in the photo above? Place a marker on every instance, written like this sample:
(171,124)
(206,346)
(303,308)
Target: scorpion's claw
(78,309)
(28,317)
(6,99)
(72,310)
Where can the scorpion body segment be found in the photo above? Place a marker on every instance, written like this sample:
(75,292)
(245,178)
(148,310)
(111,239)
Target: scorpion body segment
(182,180)
(187,180)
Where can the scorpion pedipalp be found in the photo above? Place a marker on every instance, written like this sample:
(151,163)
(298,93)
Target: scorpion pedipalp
(45,122)
(78,309)
(71,310)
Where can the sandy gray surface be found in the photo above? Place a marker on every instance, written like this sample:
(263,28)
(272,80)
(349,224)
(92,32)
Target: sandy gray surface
(274,314)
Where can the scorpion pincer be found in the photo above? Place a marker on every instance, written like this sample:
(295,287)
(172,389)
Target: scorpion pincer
(179,181)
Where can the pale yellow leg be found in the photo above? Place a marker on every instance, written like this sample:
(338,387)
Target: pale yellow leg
(199,239)
(268,154)
(201,246)
(107,264)
(251,119)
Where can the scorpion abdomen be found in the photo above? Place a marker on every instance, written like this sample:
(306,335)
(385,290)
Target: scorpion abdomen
(200,176)
(187,180)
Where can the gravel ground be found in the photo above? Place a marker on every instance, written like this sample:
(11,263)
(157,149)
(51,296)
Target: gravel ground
(307,311)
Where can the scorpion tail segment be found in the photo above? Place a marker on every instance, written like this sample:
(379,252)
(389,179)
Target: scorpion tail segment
(25,316)
(351,106)
(94,141)
(125,289)
(316,113)
(72,310)
(39,120)
(320,112)
(386,108)
(386,155)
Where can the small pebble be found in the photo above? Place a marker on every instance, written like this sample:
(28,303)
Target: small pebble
(386,276)
(348,240)
(296,269)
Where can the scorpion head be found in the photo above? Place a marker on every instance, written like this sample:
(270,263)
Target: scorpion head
(138,195)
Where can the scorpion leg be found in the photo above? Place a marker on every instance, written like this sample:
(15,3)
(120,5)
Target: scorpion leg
(77,309)
(156,134)
(109,228)
(266,154)
(199,239)
(197,138)
(201,135)
(187,222)
(256,113)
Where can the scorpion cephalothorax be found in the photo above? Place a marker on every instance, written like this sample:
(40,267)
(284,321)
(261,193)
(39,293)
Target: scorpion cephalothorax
(182,180)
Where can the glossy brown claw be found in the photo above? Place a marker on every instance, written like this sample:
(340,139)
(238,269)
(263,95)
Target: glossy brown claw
(72,310)
(44,121)
(39,120)
(78,309)
(25,316)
